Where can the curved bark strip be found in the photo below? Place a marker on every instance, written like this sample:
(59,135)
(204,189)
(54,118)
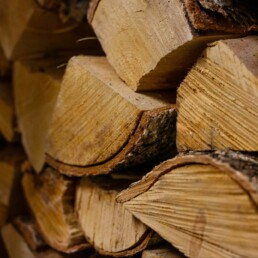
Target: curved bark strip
(205,204)
(154,139)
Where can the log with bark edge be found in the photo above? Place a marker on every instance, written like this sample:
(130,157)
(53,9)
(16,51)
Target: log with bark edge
(110,228)
(152,44)
(100,125)
(18,248)
(27,29)
(7,123)
(11,157)
(36,86)
(50,197)
(217,102)
(204,204)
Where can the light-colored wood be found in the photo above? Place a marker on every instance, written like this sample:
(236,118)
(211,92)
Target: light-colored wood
(6,111)
(50,198)
(98,120)
(36,86)
(10,160)
(18,248)
(152,45)
(28,30)
(217,102)
(109,227)
(198,204)
(162,253)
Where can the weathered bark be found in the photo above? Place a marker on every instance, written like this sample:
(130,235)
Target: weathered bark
(203,203)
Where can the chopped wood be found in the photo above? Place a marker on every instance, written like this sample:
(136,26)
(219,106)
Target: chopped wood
(17,246)
(5,65)
(7,125)
(30,232)
(204,204)
(152,45)
(11,158)
(110,228)
(36,86)
(100,125)
(164,252)
(28,30)
(217,102)
(51,199)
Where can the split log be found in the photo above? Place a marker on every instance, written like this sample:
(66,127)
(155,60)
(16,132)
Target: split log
(110,228)
(152,45)
(36,86)
(217,102)
(29,30)
(165,252)
(17,247)
(204,204)
(51,199)
(30,232)
(100,125)
(6,111)
(11,158)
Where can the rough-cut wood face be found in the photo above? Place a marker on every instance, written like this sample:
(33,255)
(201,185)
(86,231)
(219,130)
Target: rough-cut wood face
(217,102)
(35,98)
(107,225)
(162,253)
(28,30)
(50,198)
(6,111)
(199,208)
(96,113)
(142,37)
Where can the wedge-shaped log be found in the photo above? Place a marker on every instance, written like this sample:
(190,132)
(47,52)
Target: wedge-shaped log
(7,123)
(107,225)
(204,204)
(51,199)
(11,158)
(36,86)
(217,102)
(28,30)
(152,44)
(99,124)
(17,247)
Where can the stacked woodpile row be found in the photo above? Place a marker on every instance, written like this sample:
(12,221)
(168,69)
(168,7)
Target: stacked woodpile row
(128,128)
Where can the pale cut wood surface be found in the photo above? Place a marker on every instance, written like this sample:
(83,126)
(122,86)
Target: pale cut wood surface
(28,30)
(36,86)
(201,208)
(217,102)
(162,253)
(153,44)
(97,116)
(50,198)
(6,111)
(110,228)
(18,248)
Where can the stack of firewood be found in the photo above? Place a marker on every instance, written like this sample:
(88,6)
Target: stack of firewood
(134,133)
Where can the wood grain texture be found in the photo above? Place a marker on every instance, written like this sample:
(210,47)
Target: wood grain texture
(110,228)
(36,86)
(29,30)
(7,124)
(51,198)
(217,102)
(99,123)
(162,252)
(207,202)
(155,43)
